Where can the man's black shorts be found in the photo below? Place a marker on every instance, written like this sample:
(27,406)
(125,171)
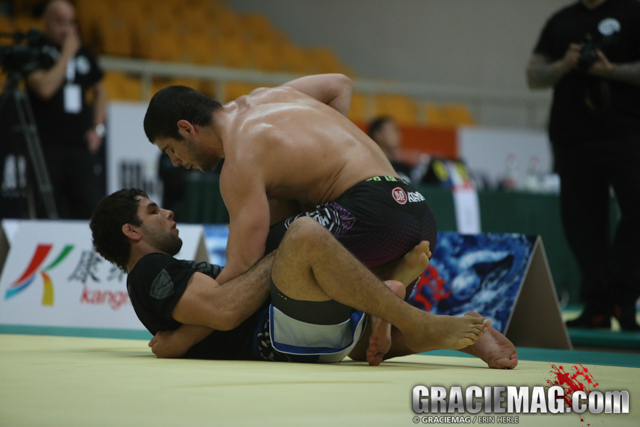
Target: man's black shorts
(378,220)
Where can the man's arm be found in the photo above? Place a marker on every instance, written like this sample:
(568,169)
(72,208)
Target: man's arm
(245,196)
(543,73)
(224,307)
(206,306)
(627,73)
(99,112)
(170,344)
(335,90)
(46,82)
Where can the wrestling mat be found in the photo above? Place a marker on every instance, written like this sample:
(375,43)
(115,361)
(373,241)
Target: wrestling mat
(70,381)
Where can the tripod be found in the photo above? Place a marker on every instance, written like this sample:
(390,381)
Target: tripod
(29,130)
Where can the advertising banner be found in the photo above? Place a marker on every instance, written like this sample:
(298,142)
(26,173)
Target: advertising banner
(53,277)
(132,161)
(504,277)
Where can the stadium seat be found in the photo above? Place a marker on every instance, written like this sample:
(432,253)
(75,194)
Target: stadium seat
(122,87)
(234,90)
(6,26)
(263,56)
(449,115)
(293,59)
(357,110)
(159,83)
(436,116)
(257,27)
(403,109)
(196,50)
(25,23)
(325,60)
(230,52)
(459,115)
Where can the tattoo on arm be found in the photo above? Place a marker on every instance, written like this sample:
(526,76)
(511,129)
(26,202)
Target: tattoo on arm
(628,73)
(542,74)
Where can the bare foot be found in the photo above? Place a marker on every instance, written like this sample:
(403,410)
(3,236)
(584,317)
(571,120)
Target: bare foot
(494,348)
(438,332)
(380,338)
(413,264)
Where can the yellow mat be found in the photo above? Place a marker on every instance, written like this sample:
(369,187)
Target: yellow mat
(88,382)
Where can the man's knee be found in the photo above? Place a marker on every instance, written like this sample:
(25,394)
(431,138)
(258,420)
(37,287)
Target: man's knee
(305,232)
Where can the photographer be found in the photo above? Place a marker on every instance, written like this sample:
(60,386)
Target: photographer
(589,52)
(68,101)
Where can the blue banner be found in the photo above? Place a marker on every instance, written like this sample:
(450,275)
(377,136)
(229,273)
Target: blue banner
(475,272)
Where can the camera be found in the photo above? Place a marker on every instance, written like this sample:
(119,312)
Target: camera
(589,51)
(24,55)
(588,54)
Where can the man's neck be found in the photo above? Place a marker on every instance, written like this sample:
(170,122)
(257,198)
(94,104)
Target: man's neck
(219,129)
(592,4)
(138,252)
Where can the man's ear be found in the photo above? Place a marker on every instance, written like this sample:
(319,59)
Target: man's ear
(132,232)
(186,129)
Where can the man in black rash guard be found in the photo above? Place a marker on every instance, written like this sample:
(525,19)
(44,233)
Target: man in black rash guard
(319,295)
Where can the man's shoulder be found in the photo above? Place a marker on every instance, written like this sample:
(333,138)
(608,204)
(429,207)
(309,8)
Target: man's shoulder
(149,266)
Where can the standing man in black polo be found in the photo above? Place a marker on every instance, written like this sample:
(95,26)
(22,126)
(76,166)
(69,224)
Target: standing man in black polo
(68,100)
(589,52)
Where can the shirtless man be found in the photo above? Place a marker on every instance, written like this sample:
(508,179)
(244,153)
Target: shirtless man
(326,290)
(289,150)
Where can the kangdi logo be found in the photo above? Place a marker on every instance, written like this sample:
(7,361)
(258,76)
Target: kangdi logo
(30,273)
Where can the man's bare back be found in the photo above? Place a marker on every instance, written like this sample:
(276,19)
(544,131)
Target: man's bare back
(301,148)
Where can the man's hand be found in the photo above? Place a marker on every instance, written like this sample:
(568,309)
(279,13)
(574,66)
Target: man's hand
(335,90)
(167,344)
(602,67)
(45,83)
(71,43)
(542,73)
(94,141)
(571,58)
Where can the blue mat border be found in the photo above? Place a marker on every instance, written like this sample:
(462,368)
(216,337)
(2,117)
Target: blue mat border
(60,331)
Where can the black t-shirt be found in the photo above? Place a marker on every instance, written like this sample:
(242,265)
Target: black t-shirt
(588,108)
(58,128)
(155,286)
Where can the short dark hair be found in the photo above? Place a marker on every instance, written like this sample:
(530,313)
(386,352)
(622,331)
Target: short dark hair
(109,216)
(376,124)
(175,103)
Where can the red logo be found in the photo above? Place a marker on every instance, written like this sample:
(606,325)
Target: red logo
(399,195)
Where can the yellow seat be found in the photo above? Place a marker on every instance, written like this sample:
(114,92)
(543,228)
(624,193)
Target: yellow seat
(122,87)
(263,56)
(25,23)
(225,23)
(234,90)
(459,115)
(436,116)
(196,50)
(325,60)
(231,52)
(160,83)
(449,115)
(403,109)
(293,59)
(257,27)
(357,110)
(6,26)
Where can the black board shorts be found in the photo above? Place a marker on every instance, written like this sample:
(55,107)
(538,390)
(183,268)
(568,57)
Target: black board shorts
(378,220)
